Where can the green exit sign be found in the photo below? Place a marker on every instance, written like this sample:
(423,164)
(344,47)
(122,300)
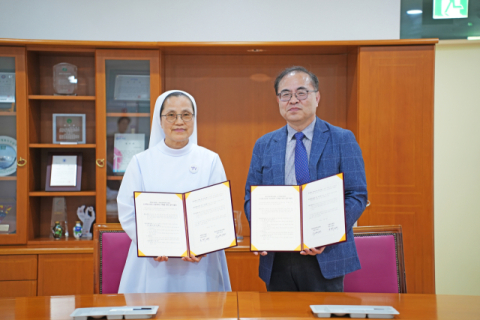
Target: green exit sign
(450,9)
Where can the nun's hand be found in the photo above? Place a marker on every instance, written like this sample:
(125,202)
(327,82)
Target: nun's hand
(193,258)
(262,253)
(161,259)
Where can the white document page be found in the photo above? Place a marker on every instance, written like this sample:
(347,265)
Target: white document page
(210,219)
(160,225)
(275,218)
(63,171)
(324,212)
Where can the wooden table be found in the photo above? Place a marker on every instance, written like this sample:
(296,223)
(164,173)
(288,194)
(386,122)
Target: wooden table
(411,306)
(214,305)
(243,305)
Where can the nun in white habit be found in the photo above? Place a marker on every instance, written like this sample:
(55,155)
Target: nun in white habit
(172,163)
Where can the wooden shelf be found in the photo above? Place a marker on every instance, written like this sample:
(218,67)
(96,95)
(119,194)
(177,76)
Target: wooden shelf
(63,146)
(7,114)
(115,178)
(133,115)
(8,178)
(63,243)
(242,245)
(48,97)
(40,246)
(62,194)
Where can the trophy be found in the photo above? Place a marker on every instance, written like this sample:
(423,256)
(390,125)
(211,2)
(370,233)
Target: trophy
(87,216)
(59,215)
(65,79)
(238,224)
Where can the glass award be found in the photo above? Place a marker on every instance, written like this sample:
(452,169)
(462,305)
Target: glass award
(65,79)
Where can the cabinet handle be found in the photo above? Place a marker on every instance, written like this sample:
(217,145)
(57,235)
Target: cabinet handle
(21,162)
(100,163)
(368,203)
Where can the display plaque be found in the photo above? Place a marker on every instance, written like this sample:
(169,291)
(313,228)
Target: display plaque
(65,79)
(64,172)
(69,128)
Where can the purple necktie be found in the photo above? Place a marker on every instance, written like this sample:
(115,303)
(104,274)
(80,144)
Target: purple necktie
(301,160)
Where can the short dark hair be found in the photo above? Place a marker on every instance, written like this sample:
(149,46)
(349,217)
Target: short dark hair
(176,94)
(282,75)
(123,118)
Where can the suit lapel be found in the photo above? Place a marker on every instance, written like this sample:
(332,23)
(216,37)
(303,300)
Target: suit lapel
(320,138)
(279,147)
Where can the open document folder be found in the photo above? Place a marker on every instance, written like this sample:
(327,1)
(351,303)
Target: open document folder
(293,218)
(185,224)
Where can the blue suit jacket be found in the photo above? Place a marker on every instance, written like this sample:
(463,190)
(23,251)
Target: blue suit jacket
(334,150)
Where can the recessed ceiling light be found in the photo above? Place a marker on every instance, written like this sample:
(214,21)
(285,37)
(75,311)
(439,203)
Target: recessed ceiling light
(414,11)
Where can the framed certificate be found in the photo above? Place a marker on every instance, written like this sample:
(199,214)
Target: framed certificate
(132,88)
(64,172)
(126,145)
(69,128)
(7,87)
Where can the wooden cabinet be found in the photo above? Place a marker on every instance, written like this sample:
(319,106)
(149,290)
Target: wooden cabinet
(380,90)
(65,274)
(118,116)
(13,128)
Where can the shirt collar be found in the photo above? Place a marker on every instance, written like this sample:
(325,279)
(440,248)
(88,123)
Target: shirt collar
(308,131)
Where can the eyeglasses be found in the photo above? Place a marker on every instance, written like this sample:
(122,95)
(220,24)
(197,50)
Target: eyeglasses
(172,117)
(301,94)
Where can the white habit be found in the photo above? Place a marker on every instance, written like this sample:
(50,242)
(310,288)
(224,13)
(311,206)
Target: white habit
(162,169)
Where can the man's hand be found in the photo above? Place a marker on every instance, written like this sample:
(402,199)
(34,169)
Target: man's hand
(193,258)
(312,251)
(263,253)
(161,259)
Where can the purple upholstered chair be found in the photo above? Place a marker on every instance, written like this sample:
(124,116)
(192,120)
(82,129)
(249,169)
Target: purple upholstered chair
(380,249)
(111,252)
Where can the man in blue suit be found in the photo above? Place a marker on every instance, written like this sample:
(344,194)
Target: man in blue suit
(308,149)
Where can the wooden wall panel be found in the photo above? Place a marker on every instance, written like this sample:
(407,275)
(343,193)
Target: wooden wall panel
(396,135)
(65,274)
(237,104)
(10,289)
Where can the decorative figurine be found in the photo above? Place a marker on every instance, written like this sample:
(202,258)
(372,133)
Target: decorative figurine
(87,217)
(77,231)
(57,230)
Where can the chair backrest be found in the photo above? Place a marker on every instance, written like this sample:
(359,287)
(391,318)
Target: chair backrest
(111,250)
(380,250)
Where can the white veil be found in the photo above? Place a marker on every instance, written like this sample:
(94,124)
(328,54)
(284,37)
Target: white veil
(157,134)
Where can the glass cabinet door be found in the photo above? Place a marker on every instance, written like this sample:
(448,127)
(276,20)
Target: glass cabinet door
(12,106)
(130,88)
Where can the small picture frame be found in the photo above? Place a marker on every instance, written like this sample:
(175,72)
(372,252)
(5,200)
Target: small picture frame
(64,171)
(69,128)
